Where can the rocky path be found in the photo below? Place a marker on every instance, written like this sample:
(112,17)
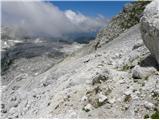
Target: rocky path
(113,82)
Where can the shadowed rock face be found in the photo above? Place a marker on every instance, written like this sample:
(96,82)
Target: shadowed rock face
(150,28)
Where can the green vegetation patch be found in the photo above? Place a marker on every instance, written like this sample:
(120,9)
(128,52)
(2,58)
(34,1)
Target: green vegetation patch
(155,115)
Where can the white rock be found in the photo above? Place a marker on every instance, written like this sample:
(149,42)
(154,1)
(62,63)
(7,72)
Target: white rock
(72,114)
(84,98)
(129,92)
(135,97)
(100,66)
(150,28)
(119,99)
(36,74)
(121,81)
(111,101)
(148,105)
(88,107)
(137,92)
(101,98)
(13,113)
(142,72)
(116,56)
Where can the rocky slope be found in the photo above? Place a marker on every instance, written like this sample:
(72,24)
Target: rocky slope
(118,80)
(31,57)
(128,17)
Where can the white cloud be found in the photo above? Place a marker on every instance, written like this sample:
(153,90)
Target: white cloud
(45,19)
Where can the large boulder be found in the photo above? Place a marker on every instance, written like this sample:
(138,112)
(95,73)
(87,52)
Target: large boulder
(150,28)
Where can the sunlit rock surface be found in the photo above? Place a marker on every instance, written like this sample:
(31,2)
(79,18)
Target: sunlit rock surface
(150,28)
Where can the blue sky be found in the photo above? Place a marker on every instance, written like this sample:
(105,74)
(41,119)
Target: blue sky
(92,8)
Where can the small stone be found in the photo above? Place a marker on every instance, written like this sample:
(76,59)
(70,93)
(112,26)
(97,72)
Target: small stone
(15,104)
(49,103)
(99,78)
(135,80)
(84,98)
(102,98)
(126,106)
(88,107)
(119,99)
(4,110)
(121,81)
(2,106)
(90,82)
(15,87)
(136,110)
(129,92)
(136,46)
(98,55)
(109,62)
(100,66)
(45,83)
(116,56)
(72,114)
(13,98)
(148,105)
(13,113)
(36,74)
(111,101)
(135,97)
(137,92)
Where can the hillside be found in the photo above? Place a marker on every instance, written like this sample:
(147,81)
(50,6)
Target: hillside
(113,76)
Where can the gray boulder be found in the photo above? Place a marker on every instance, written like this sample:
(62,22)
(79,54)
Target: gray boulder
(150,28)
(139,72)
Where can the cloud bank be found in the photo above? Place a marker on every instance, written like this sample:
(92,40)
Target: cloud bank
(45,19)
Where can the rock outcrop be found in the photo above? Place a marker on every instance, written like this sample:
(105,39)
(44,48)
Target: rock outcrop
(150,28)
(128,17)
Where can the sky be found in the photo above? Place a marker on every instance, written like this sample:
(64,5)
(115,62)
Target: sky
(94,8)
(58,19)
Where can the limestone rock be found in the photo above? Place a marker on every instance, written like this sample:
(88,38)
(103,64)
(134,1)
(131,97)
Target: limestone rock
(142,72)
(150,28)
(148,105)
(102,98)
(84,98)
(88,107)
